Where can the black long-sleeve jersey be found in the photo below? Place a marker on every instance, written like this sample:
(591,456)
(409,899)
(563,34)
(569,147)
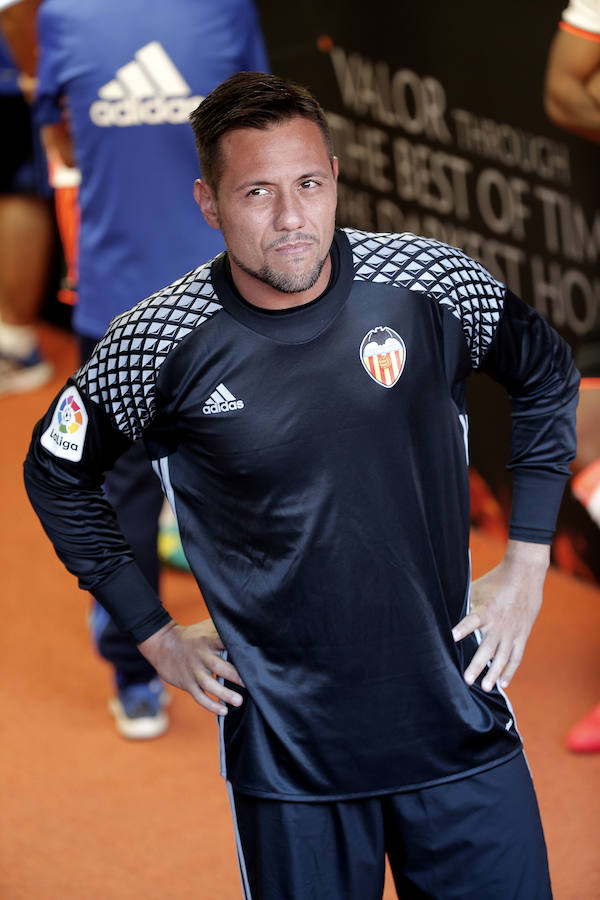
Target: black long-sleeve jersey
(316,461)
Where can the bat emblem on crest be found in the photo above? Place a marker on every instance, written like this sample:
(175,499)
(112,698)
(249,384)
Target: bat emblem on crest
(383,355)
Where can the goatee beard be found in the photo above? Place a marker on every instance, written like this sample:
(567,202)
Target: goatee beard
(286,284)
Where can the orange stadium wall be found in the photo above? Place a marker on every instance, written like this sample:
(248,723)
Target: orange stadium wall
(437,118)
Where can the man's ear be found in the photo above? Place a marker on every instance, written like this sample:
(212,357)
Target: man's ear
(205,198)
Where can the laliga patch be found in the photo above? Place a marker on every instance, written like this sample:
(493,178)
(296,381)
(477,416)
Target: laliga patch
(66,434)
(383,354)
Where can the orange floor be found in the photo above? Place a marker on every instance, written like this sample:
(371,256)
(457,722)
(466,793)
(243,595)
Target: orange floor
(84,814)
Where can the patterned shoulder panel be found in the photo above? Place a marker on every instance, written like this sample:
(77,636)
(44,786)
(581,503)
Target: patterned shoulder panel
(121,374)
(440,272)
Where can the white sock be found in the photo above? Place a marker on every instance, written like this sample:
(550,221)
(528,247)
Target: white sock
(17,340)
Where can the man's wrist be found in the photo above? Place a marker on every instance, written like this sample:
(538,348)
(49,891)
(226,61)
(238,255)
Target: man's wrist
(528,553)
(157,638)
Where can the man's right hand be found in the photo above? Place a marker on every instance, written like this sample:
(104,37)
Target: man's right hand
(188,657)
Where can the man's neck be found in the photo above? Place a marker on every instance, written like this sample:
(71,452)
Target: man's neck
(260,294)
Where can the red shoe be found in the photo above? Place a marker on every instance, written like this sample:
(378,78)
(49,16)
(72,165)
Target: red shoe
(584,736)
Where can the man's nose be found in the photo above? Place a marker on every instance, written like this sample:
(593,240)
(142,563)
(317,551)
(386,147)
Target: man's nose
(289,215)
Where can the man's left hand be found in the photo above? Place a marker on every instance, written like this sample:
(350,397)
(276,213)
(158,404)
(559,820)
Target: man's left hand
(504,606)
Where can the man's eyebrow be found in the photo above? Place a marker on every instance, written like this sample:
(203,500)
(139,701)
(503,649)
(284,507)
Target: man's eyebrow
(317,173)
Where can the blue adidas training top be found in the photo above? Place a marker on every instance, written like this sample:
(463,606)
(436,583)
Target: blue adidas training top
(130,73)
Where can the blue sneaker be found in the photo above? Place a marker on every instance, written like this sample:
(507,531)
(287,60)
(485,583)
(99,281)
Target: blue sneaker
(138,710)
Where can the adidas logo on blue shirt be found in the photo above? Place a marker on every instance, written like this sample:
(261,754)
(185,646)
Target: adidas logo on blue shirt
(149,90)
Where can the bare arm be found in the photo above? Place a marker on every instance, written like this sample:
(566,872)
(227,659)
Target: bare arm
(189,657)
(18,27)
(17,23)
(571,96)
(504,605)
(58,143)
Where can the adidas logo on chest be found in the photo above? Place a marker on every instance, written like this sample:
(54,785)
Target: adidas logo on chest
(149,90)
(221,401)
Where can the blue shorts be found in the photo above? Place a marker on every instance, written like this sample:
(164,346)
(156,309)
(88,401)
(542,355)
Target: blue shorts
(22,160)
(478,838)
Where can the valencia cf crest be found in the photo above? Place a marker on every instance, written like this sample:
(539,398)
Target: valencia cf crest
(383,354)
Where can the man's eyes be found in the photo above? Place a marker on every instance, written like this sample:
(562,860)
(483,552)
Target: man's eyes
(307,185)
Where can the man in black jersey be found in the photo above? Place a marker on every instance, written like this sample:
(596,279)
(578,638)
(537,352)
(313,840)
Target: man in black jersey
(302,399)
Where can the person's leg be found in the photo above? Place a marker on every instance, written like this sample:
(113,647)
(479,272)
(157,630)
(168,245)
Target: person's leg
(136,495)
(26,245)
(26,240)
(309,851)
(585,483)
(478,837)
(584,735)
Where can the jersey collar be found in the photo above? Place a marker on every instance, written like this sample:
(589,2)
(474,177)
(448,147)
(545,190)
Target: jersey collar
(298,323)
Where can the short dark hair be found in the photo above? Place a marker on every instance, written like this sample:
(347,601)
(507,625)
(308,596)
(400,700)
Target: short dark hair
(250,100)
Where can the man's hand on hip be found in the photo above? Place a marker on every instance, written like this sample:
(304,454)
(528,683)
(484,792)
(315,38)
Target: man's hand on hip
(188,656)
(504,606)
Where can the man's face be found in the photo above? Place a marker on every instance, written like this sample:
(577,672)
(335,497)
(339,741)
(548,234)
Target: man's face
(275,204)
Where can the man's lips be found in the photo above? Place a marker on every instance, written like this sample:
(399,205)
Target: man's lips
(293,244)
(293,249)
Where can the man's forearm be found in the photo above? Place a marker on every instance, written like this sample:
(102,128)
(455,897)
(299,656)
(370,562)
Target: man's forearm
(17,23)
(571,97)
(572,107)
